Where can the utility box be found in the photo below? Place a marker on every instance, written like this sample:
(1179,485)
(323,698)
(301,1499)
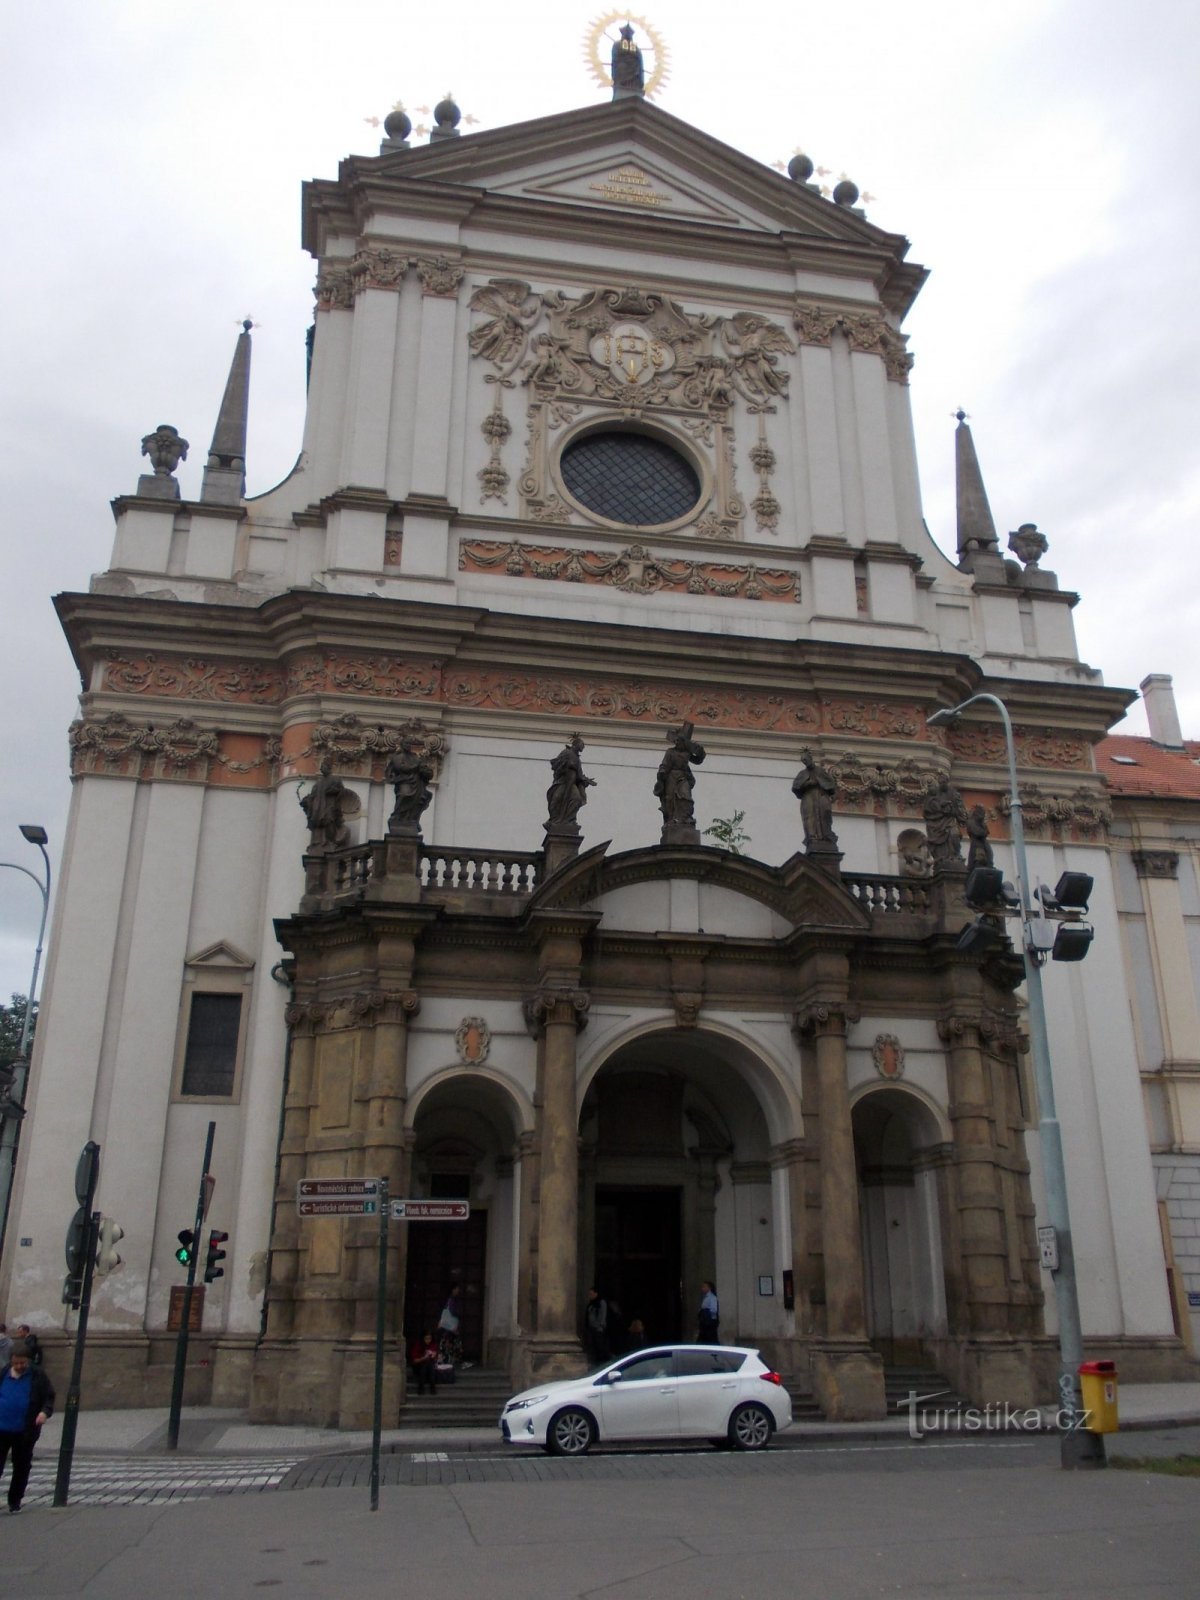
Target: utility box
(1098,1381)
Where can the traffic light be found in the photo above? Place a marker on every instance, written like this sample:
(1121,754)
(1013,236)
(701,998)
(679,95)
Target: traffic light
(107,1259)
(186,1253)
(215,1254)
(76,1252)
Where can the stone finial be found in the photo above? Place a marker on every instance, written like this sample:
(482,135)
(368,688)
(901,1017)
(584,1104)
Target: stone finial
(800,168)
(1029,545)
(397,126)
(166,449)
(446,116)
(225,475)
(628,69)
(845,193)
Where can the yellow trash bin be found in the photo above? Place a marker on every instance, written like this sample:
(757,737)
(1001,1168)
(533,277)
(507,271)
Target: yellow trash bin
(1098,1380)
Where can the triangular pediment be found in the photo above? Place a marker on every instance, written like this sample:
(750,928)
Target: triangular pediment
(631,157)
(221,956)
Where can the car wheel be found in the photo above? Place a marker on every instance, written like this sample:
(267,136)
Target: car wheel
(569,1433)
(750,1428)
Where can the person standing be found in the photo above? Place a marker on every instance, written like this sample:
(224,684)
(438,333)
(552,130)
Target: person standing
(595,1328)
(709,1316)
(32,1348)
(26,1402)
(450,1349)
(423,1357)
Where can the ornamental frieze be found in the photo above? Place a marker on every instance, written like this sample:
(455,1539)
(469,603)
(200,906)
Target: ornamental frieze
(634,571)
(115,745)
(351,742)
(1080,813)
(381,267)
(193,678)
(1035,747)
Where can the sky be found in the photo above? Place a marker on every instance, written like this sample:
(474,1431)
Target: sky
(1041,155)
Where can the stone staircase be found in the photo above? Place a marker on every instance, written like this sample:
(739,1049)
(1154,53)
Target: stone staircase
(933,1387)
(474,1400)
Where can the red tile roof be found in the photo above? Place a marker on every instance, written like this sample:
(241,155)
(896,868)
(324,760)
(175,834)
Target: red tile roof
(1167,774)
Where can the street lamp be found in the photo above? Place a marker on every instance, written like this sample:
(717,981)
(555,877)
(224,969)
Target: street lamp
(1077,1447)
(12,1106)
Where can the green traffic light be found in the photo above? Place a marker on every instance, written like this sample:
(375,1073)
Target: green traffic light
(186,1251)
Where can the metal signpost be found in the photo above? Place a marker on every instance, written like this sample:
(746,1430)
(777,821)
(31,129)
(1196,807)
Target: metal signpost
(368,1197)
(85,1238)
(181,1344)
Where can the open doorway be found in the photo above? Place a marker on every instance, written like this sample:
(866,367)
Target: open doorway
(639,1264)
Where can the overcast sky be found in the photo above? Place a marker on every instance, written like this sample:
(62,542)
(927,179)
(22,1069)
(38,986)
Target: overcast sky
(1041,155)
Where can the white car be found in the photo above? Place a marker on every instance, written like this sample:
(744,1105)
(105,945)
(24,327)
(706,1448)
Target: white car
(724,1393)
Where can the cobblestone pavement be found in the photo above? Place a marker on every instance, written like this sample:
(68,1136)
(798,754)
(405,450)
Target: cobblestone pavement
(120,1481)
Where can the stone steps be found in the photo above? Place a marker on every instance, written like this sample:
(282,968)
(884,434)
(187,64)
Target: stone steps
(474,1400)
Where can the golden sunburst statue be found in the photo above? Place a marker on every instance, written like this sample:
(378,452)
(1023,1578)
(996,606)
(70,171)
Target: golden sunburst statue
(602,35)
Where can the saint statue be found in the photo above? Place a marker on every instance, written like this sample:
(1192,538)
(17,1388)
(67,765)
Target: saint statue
(815,788)
(945,818)
(979,851)
(675,780)
(567,793)
(322,805)
(628,74)
(409,773)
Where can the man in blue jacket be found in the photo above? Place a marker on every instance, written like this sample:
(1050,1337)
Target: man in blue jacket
(26,1401)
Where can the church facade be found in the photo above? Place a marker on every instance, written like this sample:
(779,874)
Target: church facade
(596,630)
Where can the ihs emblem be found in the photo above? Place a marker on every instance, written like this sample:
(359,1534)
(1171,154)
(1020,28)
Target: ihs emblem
(603,33)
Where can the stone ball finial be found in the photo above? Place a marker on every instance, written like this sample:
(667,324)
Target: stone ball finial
(1029,543)
(447,116)
(397,124)
(846,193)
(800,168)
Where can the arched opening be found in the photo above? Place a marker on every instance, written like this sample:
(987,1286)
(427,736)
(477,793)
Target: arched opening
(898,1148)
(677,1186)
(465,1131)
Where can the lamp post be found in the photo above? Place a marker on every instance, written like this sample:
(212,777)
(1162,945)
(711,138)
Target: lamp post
(1077,1448)
(10,1126)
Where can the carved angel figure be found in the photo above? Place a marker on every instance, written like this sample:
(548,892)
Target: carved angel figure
(755,345)
(513,311)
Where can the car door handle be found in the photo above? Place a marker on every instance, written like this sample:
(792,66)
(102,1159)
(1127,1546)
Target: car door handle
(729,1386)
(671,1390)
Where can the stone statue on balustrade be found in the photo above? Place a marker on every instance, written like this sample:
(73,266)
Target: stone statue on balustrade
(945,818)
(815,788)
(409,772)
(567,794)
(674,785)
(322,805)
(979,851)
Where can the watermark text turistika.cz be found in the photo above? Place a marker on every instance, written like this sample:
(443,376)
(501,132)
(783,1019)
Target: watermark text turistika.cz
(925,1416)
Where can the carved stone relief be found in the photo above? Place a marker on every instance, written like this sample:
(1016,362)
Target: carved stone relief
(866,331)
(888,1055)
(634,571)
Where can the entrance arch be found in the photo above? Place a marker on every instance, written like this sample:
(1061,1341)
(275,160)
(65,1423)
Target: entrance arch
(464,1130)
(898,1146)
(677,1185)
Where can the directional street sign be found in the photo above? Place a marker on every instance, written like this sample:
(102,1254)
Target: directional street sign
(347,1205)
(431,1210)
(314,1188)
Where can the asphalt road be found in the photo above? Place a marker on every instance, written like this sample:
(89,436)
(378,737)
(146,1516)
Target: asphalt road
(919,1521)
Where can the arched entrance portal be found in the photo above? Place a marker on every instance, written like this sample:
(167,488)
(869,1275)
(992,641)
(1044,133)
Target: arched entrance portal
(898,1148)
(676,1186)
(464,1132)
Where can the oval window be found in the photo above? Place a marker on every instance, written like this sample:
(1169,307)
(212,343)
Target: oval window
(630,478)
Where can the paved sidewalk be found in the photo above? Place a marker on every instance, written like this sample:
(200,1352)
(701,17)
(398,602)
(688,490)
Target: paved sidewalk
(205,1431)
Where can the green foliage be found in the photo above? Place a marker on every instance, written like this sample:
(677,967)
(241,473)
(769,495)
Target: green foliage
(12,1020)
(729,833)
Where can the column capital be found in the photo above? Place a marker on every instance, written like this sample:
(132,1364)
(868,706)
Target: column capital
(545,1007)
(822,1017)
(788,1152)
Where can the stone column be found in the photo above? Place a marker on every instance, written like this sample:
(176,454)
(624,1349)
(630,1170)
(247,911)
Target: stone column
(557,1016)
(847,1373)
(384,1156)
(992,1365)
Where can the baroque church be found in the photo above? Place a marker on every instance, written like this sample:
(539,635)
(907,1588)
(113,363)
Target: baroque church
(531,801)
